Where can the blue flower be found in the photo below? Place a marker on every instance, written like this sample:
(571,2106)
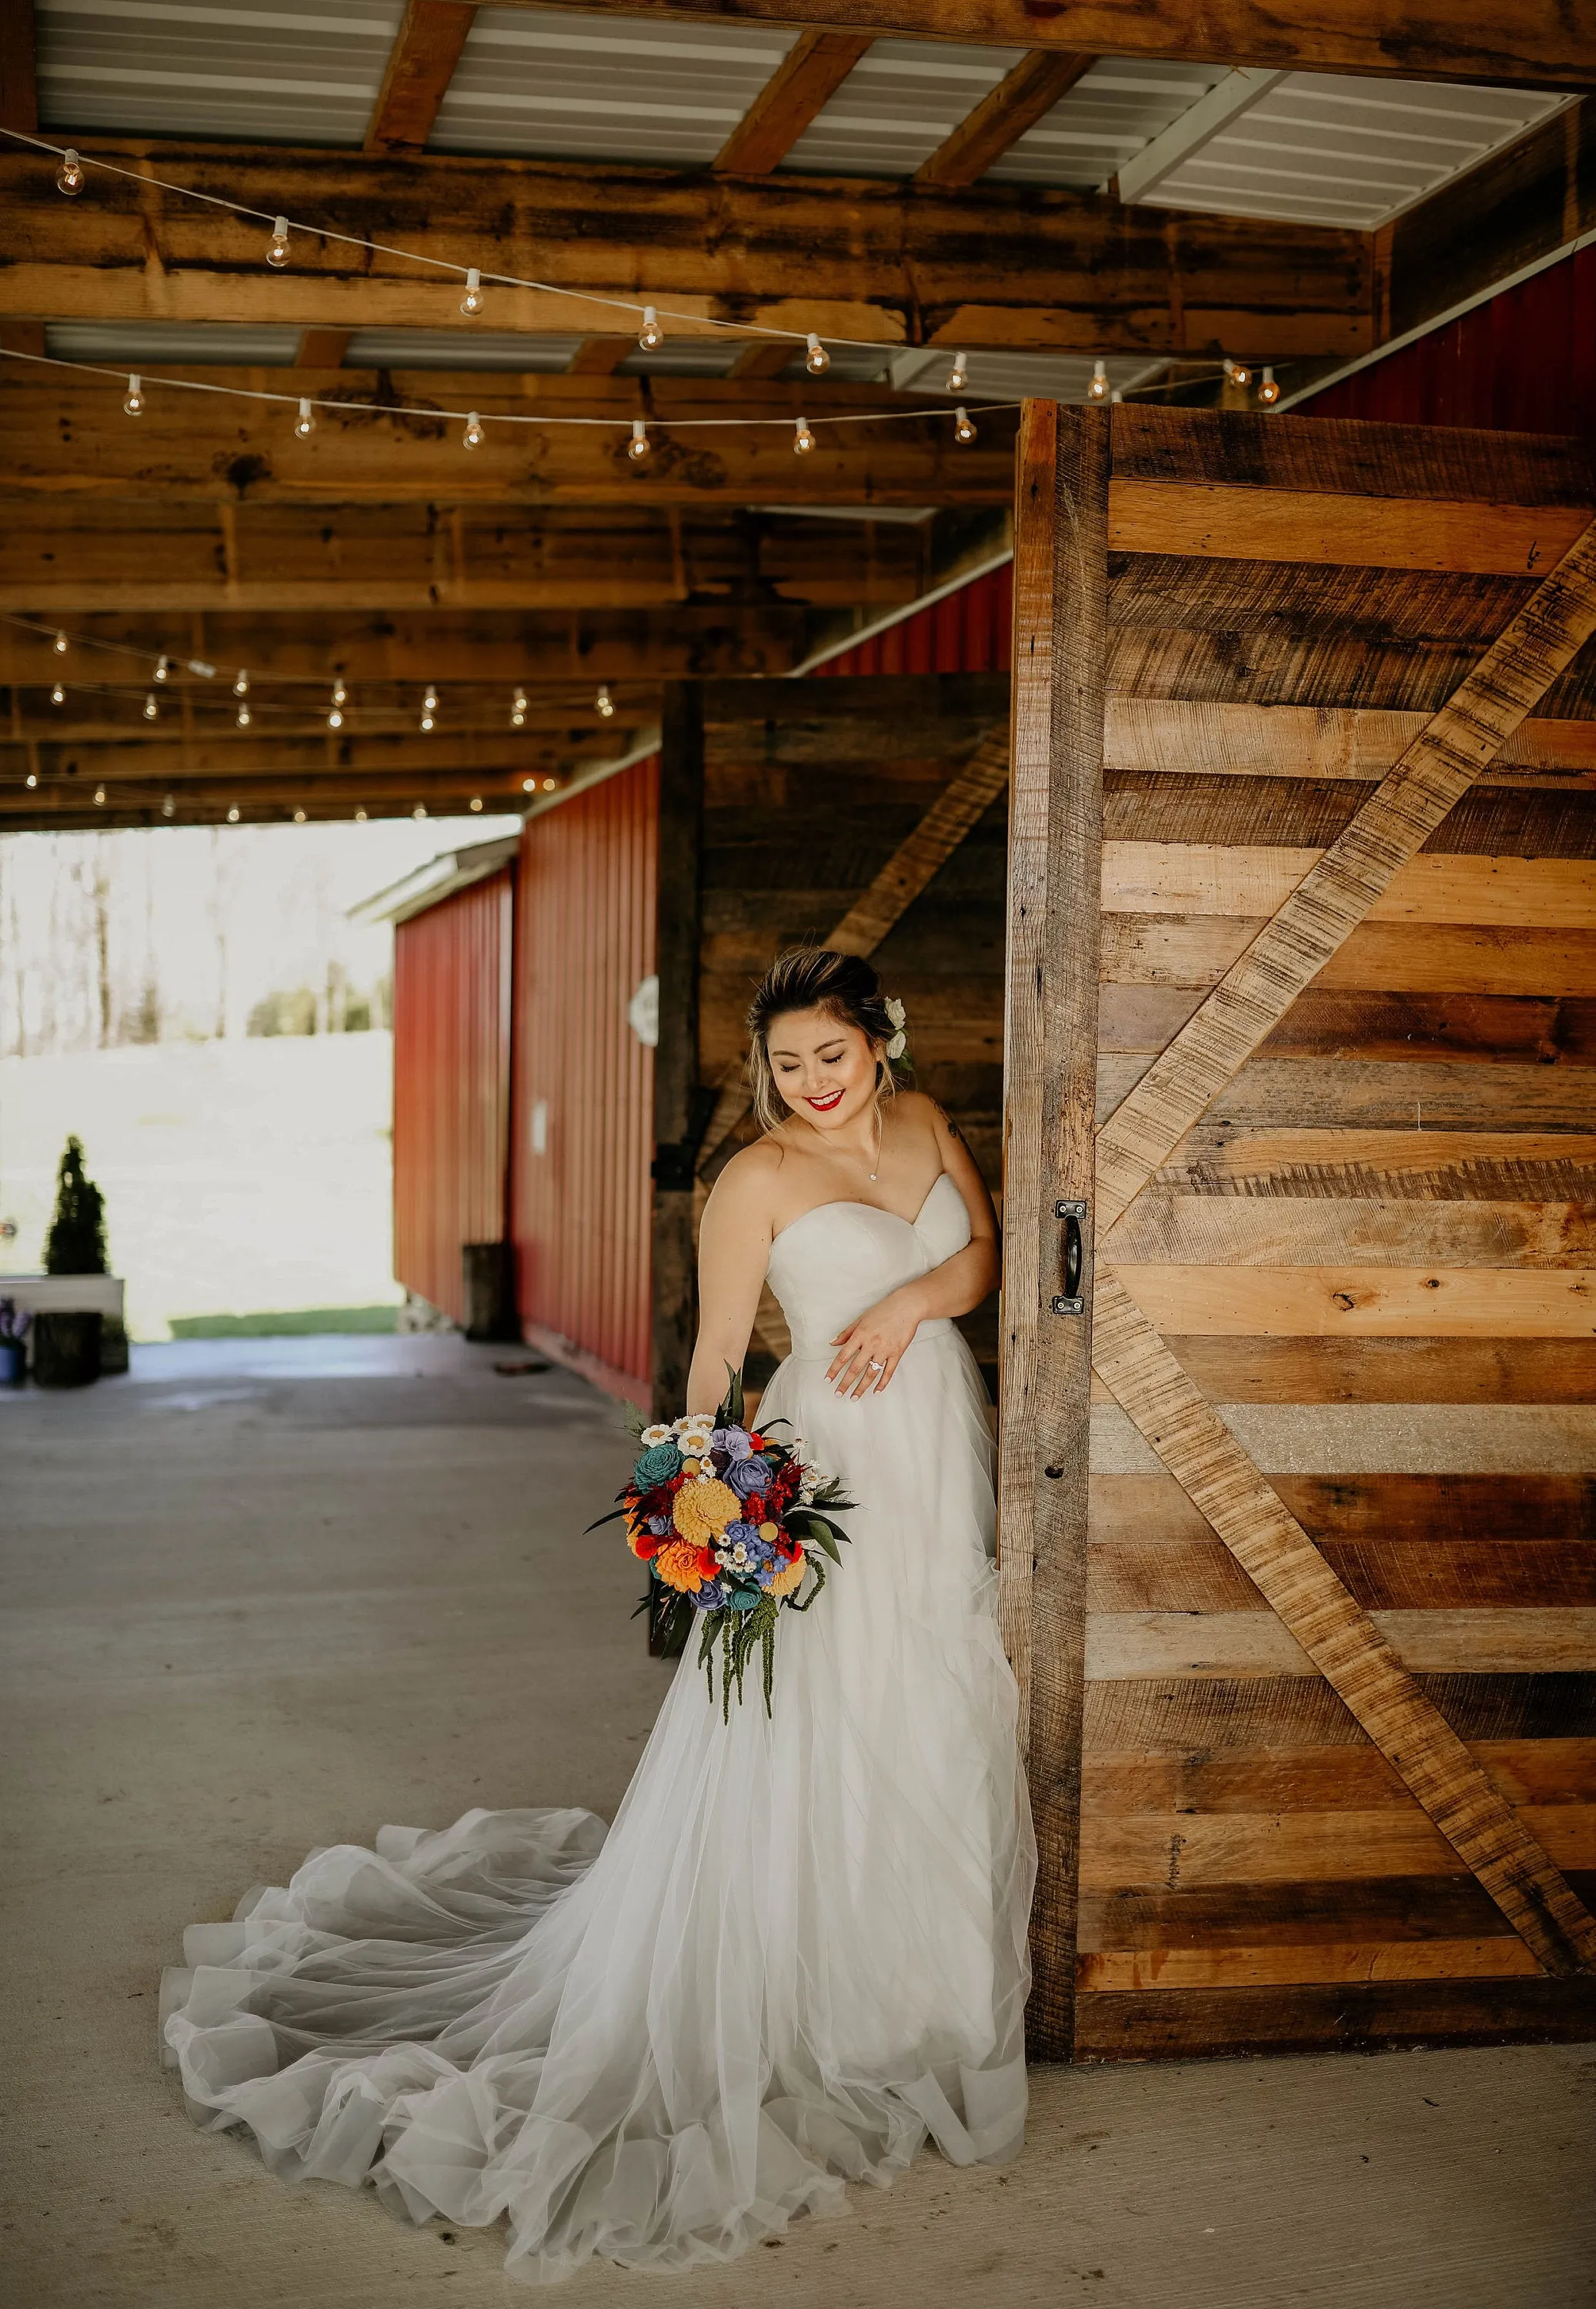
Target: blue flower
(742,1600)
(747,1477)
(659,1526)
(733,1440)
(657,1465)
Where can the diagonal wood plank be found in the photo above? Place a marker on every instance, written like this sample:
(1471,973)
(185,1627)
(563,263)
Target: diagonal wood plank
(421,64)
(1337,894)
(1338,1635)
(1020,100)
(800,88)
(911,866)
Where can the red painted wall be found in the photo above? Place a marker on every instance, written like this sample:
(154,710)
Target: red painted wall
(581,1207)
(451,1085)
(1526,362)
(970,631)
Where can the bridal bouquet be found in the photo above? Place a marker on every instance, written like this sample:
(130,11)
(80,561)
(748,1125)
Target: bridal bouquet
(730,1521)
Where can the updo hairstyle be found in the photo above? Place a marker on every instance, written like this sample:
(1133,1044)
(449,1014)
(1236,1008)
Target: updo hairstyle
(814,977)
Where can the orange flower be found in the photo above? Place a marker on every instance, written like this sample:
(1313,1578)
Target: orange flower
(789,1577)
(679,1564)
(702,1511)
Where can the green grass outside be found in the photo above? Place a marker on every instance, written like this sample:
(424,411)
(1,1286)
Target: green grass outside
(301,1322)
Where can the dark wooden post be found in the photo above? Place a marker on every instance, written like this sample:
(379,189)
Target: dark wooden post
(677,1106)
(1050,1063)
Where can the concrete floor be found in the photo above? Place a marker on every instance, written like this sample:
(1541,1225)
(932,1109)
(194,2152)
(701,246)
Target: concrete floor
(268,1594)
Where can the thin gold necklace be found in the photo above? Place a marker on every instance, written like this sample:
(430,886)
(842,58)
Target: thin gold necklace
(880,1140)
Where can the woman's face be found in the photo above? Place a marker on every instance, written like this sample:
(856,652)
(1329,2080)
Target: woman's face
(824,1068)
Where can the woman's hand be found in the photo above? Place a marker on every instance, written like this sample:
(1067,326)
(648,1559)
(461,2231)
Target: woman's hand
(869,1351)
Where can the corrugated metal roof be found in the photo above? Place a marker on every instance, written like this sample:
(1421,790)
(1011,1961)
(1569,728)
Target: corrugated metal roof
(999,376)
(1321,149)
(1119,107)
(262,74)
(537,82)
(460,349)
(188,344)
(898,104)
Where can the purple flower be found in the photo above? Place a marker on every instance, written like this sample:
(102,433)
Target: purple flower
(733,1440)
(659,1525)
(748,1476)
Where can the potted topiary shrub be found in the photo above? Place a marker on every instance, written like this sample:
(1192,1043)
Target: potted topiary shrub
(14,1335)
(66,1347)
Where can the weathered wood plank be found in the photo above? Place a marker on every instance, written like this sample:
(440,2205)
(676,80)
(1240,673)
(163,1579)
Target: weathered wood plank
(1243,524)
(1391,1510)
(421,63)
(1205,1230)
(1161,1573)
(1343,457)
(1295,1916)
(1197,2024)
(1378,957)
(1165,1714)
(801,86)
(1505,1641)
(1155,878)
(1333,1778)
(1020,100)
(1553,818)
(1436,1302)
(1300,1847)
(1389,1371)
(1341,1640)
(1446,1164)
(1395,1029)
(1353,1439)
(1050,1040)
(1336,742)
(1283,1966)
(1377,1094)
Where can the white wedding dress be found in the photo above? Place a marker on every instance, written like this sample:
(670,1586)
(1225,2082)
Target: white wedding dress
(800,1951)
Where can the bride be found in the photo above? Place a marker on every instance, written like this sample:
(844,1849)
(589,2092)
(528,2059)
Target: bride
(800,1949)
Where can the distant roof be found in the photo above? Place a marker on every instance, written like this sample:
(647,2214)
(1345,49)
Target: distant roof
(439,879)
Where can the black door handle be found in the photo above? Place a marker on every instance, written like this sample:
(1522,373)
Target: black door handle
(1071,1299)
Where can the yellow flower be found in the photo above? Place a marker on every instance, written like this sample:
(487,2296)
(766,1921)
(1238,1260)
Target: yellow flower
(789,1579)
(676,1565)
(703,1509)
(769,1533)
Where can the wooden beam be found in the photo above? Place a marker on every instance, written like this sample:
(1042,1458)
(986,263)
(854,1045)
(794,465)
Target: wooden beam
(1022,98)
(1049,1043)
(62,436)
(764,357)
(18,80)
(324,348)
(1540,42)
(600,356)
(420,66)
(677,910)
(349,754)
(1337,893)
(880,261)
(62,558)
(801,87)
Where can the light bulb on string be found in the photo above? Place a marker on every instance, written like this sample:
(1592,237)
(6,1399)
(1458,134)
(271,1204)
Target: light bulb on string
(958,376)
(963,430)
(528,785)
(241,683)
(475,803)
(803,440)
(340,696)
(299,818)
(604,701)
(359,817)
(168,807)
(31,781)
(59,645)
(100,797)
(651,336)
(150,707)
(132,400)
(69,176)
(471,302)
(639,447)
(1098,390)
(817,360)
(420,810)
(233,815)
(57,696)
(427,721)
(277,255)
(518,711)
(473,436)
(244,716)
(1269,392)
(163,666)
(335,715)
(1237,373)
(548,785)
(430,701)
(304,423)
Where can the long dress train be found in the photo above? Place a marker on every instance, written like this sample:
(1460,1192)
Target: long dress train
(799,1951)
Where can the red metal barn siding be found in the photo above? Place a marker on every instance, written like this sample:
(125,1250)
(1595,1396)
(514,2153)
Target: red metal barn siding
(968,631)
(582,1207)
(1523,363)
(451,1085)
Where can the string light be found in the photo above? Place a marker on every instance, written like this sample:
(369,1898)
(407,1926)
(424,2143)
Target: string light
(958,376)
(420,810)
(57,696)
(241,683)
(651,336)
(31,781)
(69,176)
(299,818)
(243,716)
(1269,392)
(963,430)
(475,802)
(100,797)
(548,785)
(427,721)
(132,401)
(168,807)
(803,440)
(1098,390)
(518,711)
(430,701)
(359,817)
(150,707)
(473,436)
(471,303)
(340,696)
(1237,373)
(59,645)
(639,447)
(604,701)
(233,815)
(163,666)
(817,360)
(528,785)
(335,711)
(304,423)
(277,255)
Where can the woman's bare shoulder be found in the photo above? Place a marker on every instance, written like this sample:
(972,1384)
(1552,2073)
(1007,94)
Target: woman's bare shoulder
(748,1182)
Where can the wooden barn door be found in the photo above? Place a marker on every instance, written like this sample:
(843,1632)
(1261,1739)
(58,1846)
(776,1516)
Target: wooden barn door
(1302,894)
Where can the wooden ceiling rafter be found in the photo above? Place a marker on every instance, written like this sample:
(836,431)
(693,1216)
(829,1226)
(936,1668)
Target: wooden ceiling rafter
(421,64)
(1006,113)
(796,93)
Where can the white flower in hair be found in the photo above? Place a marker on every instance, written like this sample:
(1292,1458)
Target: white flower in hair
(900,1018)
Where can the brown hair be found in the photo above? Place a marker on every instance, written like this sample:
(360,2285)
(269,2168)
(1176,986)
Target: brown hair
(814,977)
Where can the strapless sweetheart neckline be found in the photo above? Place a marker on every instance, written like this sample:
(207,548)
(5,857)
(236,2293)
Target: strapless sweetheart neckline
(851,1203)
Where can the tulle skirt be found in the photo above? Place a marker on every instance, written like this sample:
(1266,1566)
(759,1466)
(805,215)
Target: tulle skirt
(800,1951)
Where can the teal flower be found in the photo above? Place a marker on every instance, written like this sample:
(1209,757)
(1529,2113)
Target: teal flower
(658,1466)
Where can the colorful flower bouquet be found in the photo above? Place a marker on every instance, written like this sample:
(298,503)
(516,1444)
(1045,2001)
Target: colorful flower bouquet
(731,1522)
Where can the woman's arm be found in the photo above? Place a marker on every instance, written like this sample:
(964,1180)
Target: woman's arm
(734,1244)
(883,1331)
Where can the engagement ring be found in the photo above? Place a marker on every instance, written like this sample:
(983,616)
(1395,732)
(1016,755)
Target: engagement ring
(876,1366)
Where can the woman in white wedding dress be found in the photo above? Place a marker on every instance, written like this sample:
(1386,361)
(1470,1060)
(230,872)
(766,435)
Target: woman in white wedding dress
(801,1948)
